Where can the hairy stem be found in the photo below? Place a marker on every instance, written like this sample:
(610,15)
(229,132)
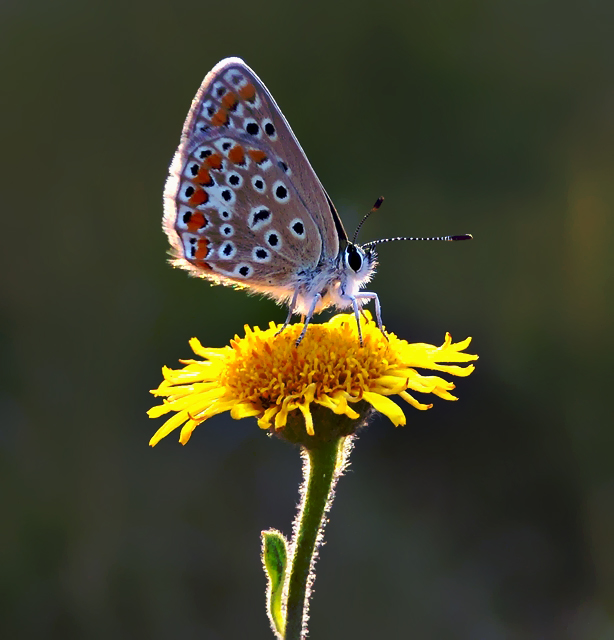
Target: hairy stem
(323,466)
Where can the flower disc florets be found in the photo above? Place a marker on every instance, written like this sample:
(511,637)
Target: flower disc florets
(266,375)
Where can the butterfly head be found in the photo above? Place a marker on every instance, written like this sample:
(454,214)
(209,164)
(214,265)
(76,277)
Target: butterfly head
(359,263)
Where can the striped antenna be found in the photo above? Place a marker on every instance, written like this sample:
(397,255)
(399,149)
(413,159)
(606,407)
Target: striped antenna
(465,236)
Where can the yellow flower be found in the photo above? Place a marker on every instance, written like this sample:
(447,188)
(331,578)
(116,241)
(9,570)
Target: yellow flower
(267,376)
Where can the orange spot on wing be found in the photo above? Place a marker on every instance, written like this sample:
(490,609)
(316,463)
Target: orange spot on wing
(204,177)
(202,250)
(214,161)
(197,221)
(236,155)
(200,196)
(257,156)
(220,117)
(248,92)
(230,101)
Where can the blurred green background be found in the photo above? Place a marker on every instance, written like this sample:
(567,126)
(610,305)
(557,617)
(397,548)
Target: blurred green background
(489,518)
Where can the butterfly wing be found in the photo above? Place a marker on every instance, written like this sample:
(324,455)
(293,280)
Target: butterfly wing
(242,204)
(297,166)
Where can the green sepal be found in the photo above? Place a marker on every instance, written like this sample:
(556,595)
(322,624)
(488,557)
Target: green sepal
(275,561)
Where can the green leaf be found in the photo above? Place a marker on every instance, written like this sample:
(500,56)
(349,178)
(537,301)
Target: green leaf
(275,560)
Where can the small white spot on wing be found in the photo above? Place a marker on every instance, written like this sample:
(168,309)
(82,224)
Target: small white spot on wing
(227,251)
(280,192)
(191,170)
(273,239)
(269,129)
(235,180)
(252,128)
(297,229)
(265,163)
(218,90)
(235,78)
(186,191)
(183,217)
(224,145)
(284,167)
(259,184)
(259,217)
(208,109)
(189,244)
(203,152)
(228,196)
(227,230)
(262,255)
(239,110)
(223,196)
(244,270)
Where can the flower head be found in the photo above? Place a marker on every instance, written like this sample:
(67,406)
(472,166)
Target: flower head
(267,376)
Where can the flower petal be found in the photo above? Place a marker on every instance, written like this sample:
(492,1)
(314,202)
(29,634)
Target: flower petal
(413,402)
(265,421)
(170,425)
(186,431)
(304,409)
(244,410)
(340,406)
(386,406)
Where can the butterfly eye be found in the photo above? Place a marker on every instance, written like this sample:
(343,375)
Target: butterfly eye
(353,258)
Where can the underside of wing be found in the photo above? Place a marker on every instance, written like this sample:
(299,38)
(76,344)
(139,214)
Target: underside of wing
(242,204)
(297,166)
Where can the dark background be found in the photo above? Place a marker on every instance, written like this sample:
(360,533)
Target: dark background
(489,518)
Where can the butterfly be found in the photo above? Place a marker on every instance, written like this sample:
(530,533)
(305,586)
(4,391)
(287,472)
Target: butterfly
(243,206)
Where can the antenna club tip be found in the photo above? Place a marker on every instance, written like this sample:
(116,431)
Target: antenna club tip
(464,236)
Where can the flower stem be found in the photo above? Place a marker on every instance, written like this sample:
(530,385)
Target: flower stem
(323,466)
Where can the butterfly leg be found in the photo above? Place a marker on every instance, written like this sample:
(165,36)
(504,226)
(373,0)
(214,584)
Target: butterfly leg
(357,311)
(370,295)
(312,309)
(291,308)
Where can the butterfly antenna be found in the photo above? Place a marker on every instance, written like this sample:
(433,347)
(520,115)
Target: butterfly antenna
(465,236)
(376,206)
